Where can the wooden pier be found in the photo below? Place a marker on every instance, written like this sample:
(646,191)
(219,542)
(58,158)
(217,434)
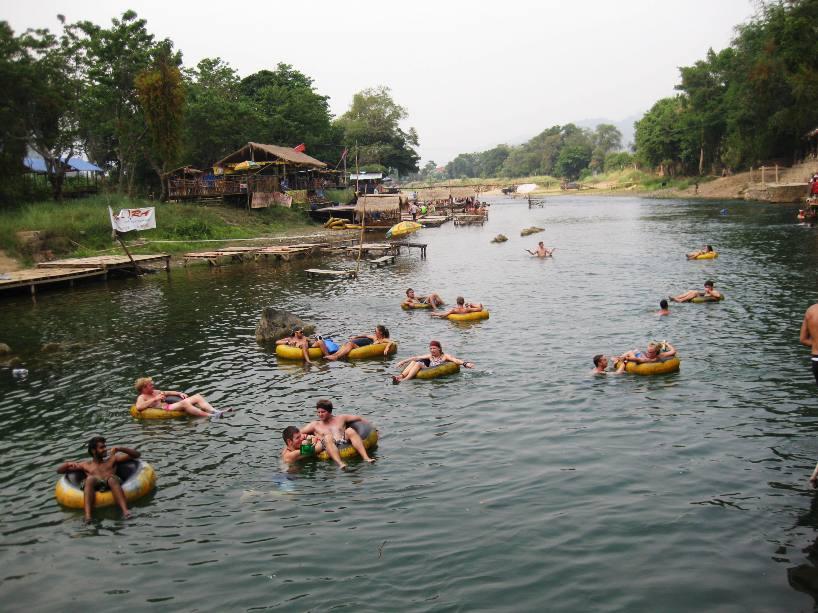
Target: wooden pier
(384,260)
(374,249)
(108,262)
(322,272)
(412,245)
(469,220)
(33,277)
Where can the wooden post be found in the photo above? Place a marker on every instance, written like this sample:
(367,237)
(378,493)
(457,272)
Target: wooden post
(128,253)
(762,176)
(776,172)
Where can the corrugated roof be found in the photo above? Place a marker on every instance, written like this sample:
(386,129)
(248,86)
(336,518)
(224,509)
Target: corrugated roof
(37,164)
(287,154)
(365,176)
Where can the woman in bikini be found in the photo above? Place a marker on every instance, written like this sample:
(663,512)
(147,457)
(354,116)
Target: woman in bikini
(435,357)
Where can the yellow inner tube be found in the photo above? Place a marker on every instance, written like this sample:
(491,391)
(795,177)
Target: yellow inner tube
(701,299)
(449,368)
(295,353)
(368,434)
(711,255)
(155,414)
(372,351)
(654,368)
(138,479)
(416,305)
(476,315)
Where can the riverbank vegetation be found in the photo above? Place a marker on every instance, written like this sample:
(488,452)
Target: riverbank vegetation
(83,227)
(754,102)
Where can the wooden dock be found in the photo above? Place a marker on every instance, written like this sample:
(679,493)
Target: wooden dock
(412,245)
(384,260)
(322,272)
(219,256)
(286,253)
(108,262)
(33,277)
(374,249)
(469,220)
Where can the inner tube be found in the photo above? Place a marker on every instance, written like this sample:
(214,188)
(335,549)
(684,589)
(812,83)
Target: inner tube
(138,479)
(371,351)
(158,413)
(415,305)
(710,255)
(295,353)
(701,299)
(368,434)
(448,368)
(654,368)
(476,315)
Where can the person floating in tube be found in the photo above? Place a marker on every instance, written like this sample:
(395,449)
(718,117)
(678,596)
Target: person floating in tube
(151,398)
(435,357)
(100,474)
(462,308)
(334,430)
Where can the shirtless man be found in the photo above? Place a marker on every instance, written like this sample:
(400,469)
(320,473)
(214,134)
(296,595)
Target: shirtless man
(334,430)
(362,340)
(709,290)
(432,299)
(100,473)
(151,398)
(297,339)
(461,308)
(809,336)
(601,366)
(293,438)
(663,308)
(542,251)
(656,352)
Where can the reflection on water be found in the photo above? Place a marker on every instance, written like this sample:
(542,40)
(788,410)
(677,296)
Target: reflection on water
(523,477)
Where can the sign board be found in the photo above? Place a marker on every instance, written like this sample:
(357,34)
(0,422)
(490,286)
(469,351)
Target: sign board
(133,219)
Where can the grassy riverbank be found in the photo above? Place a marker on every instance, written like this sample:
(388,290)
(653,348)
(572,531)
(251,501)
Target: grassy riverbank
(83,228)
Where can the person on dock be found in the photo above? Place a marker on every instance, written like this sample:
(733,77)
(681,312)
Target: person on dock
(709,290)
(809,336)
(413,211)
(362,340)
(601,366)
(542,251)
(655,352)
(702,251)
(461,308)
(297,339)
(151,398)
(293,440)
(432,299)
(100,474)
(435,357)
(334,430)
(664,308)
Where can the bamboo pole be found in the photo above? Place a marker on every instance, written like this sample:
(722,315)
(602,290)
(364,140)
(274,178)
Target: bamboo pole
(363,221)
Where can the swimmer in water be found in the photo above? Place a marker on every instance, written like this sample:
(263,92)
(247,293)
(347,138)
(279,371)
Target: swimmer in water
(663,308)
(334,430)
(293,439)
(542,251)
(601,366)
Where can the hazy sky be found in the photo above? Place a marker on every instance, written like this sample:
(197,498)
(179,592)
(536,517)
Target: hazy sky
(471,74)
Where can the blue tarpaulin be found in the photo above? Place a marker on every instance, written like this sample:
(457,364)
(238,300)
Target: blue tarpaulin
(74,165)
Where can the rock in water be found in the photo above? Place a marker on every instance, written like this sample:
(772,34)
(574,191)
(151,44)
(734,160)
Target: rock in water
(275,324)
(531,230)
(500,238)
(4,349)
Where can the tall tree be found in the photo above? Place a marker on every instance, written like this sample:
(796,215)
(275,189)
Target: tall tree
(372,124)
(161,97)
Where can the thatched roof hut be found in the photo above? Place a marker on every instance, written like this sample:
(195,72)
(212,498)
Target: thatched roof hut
(260,153)
(380,203)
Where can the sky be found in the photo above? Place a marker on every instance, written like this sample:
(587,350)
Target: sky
(470,74)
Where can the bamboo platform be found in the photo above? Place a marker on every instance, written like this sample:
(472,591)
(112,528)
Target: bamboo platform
(374,248)
(321,272)
(384,260)
(107,262)
(32,277)
(433,221)
(468,220)
(285,252)
(410,245)
(215,258)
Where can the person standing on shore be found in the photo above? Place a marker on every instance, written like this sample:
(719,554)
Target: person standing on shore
(809,336)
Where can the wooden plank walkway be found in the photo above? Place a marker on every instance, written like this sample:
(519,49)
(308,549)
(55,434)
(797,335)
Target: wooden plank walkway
(384,260)
(215,258)
(410,245)
(285,252)
(107,262)
(322,272)
(374,248)
(33,277)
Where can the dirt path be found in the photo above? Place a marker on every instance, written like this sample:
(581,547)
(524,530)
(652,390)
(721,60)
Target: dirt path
(8,264)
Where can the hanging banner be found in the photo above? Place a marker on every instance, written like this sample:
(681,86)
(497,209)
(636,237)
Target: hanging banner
(133,219)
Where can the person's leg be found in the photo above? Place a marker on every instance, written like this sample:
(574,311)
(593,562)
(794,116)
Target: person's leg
(436,300)
(814,362)
(332,450)
(188,407)
(90,492)
(686,297)
(343,351)
(304,346)
(409,372)
(199,400)
(320,344)
(119,496)
(355,440)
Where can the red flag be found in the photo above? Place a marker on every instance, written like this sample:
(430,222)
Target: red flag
(301,148)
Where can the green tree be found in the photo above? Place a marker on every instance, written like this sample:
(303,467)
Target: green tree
(161,97)
(664,138)
(372,124)
(491,161)
(605,139)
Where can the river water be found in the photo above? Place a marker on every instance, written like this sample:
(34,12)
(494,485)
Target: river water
(522,484)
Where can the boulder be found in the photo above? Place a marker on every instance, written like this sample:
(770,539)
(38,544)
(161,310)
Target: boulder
(531,230)
(4,349)
(500,238)
(276,323)
(51,347)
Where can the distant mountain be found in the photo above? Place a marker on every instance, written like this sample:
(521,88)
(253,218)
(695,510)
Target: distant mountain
(624,125)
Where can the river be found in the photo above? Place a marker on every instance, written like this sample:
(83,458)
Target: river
(523,484)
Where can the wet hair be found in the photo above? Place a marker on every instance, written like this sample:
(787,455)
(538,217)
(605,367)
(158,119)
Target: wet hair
(409,290)
(657,347)
(663,304)
(709,283)
(710,247)
(460,300)
(436,344)
(288,433)
(92,444)
(142,382)
(324,404)
(383,330)
(598,358)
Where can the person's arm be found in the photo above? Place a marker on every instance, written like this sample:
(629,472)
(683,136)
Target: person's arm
(444,314)
(132,454)
(458,361)
(67,467)
(308,429)
(805,337)
(351,418)
(411,359)
(143,402)
(531,252)
(813,480)
(283,341)
(669,352)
